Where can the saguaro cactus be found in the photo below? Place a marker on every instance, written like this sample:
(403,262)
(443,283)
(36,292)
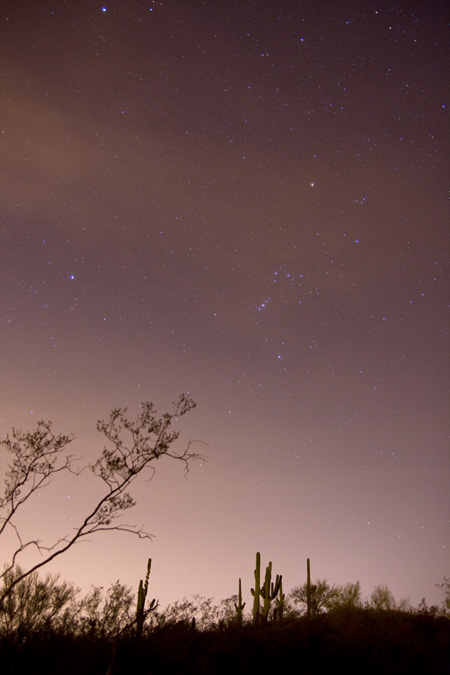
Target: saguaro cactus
(139,619)
(308,588)
(239,606)
(269,591)
(257,590)
(280,603)
(141,613)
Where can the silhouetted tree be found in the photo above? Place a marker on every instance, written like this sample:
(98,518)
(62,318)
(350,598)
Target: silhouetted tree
(444,587)
(382,598)
(106,614)
(347,596)
(320,595)
(40,455)
(35,604)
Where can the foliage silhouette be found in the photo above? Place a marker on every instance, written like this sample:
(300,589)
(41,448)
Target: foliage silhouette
(347,596)
(106,615)
(80,639)
(315,598)
(444,587)
(352,641)
(36,604)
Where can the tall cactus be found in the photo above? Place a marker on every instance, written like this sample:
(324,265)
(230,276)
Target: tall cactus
(257,590)
(280,603)
(269,591)
(141,613)
(308,588)
(138,620)
(239,606)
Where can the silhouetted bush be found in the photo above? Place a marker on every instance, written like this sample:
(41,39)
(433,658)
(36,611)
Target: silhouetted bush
(348,640)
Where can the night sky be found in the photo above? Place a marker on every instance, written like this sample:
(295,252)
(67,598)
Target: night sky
(246,201)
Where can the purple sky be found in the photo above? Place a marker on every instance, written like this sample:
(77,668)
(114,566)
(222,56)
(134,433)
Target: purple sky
(247,201)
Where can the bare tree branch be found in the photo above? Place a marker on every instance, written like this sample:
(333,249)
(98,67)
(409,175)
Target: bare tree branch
(38,457)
